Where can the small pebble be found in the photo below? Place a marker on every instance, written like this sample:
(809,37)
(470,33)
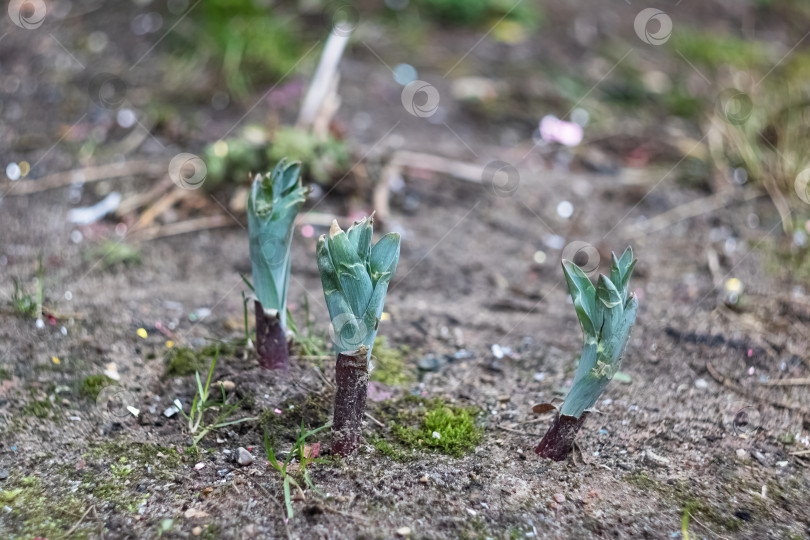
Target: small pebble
(196,531)
(243,457)
(424,480)
(437,435)
(742,453)
(404,531)
(199,465)
(559,497)
(655,459)
(227,385)
(4,474)
(701,384)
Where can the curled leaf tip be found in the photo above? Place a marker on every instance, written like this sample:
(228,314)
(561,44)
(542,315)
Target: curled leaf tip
(334,229)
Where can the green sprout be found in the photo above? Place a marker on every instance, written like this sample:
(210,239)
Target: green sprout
(274,202)
(202,402)
(355,277)
(606,314)
(306,455)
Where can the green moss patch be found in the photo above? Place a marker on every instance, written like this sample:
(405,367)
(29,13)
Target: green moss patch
(36,513)
(389,364)
(183,361)
(91,386)
(427,424)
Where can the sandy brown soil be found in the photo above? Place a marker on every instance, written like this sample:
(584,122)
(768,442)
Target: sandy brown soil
(664,444)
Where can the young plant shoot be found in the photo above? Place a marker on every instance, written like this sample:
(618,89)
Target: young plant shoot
(355,277)
(273,203)
(606,313)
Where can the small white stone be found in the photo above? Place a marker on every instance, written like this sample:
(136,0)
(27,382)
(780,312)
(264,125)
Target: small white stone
(243,457)
(437,435)
(701,384)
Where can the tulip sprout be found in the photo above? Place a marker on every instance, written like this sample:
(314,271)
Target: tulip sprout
(606,313)
(273,203)
(355,279)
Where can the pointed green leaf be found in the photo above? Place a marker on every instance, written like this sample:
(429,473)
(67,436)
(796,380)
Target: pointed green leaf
(384,258)
(583,294)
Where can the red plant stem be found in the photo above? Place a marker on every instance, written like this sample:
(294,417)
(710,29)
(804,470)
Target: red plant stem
(271,341)
(558,441)
(351,376)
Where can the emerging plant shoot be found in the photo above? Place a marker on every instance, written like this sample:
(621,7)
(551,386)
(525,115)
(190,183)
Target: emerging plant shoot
(606,313)
(355,279)
(273,203)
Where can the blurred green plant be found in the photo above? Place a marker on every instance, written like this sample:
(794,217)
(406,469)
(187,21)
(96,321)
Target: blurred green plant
(764,130)
(234,159)
(475,12)
(24,304)
(251,41)
(322,159)
(110,254)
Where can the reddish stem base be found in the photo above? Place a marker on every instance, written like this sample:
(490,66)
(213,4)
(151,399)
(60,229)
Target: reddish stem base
(271,341)
(558,441)
(351,376)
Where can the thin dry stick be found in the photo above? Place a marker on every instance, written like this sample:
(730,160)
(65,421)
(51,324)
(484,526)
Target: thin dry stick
(788,382)
(76,525)
(183,227)
(691,209)
(87,175)
(728,383)
(692,516)
(375,420)
(458,169)
(130,204)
